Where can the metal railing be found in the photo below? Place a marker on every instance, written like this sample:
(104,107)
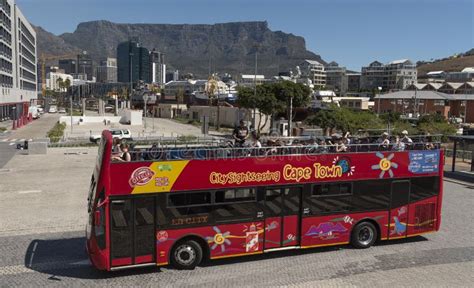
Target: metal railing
(160,153)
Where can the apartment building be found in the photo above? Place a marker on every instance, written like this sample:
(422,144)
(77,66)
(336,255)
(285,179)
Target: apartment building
(336,78)
(396,75)
(314,71)
(18,61)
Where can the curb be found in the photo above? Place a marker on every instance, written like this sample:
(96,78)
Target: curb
(459,176)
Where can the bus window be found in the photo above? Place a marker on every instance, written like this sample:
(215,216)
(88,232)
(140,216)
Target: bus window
(371,195)
(330,198)
(423,187)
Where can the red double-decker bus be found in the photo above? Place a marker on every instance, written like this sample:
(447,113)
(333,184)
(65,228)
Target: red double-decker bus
(180,206)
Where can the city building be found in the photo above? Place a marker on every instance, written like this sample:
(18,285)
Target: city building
(466,75)
(18,60)
(85,66)
(396,75)
(133,62)
(372,76)
(68,65)
(106,72)
(413,103)
(314,71)
(53,82)
(336,78)
(353,82)
(399,74)
(248,80)
(158,67)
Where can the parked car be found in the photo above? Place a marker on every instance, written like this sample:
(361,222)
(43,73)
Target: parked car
(116,133)
(62,110)
(53,109)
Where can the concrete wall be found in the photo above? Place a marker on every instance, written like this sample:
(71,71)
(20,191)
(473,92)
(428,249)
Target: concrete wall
(126,116)
(228,116)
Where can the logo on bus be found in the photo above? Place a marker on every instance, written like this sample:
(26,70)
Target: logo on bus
(141,176)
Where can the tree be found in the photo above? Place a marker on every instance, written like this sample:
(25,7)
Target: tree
(179,96)
(345,120)
(264,100)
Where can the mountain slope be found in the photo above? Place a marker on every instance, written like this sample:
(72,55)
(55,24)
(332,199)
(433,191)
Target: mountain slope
(448,64)
(227,47)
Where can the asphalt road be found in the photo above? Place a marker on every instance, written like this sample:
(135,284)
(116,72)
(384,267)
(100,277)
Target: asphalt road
(43,211)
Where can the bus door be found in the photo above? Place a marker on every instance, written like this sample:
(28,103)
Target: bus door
(132,233)
(282,217)
(400,196)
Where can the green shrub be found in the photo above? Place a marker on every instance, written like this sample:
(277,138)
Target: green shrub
(57,132)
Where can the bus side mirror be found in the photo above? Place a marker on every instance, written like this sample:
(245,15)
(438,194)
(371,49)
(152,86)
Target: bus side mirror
(97,218)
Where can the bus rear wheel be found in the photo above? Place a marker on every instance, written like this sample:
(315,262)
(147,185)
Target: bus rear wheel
(363,235)
(186,255)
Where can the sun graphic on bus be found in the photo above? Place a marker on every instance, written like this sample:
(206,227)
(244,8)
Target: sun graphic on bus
(385,164)
(219,239)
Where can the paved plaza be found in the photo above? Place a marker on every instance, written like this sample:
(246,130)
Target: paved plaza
(43,214)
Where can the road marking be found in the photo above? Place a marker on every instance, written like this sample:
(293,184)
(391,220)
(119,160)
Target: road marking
(11,144)
(21,140)
(29,140)
(29,191)
(5,140)
(13,140)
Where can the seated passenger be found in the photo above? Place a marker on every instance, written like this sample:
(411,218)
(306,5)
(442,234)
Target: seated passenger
(405,139)
(383,141)
(429,143)
(124,156)
(398,145)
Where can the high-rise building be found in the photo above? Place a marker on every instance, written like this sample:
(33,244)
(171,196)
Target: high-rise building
(85,66)
(395,75)
(158,67)
(68,65)
(131,57)
(336,78)
(18,75)
(107,71)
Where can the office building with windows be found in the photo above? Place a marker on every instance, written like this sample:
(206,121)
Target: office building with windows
(133,62)
(18,75)
(107,71)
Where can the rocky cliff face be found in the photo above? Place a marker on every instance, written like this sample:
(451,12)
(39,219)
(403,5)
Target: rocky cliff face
(227,47)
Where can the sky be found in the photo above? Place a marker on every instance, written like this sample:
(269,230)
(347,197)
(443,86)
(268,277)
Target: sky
(350,32)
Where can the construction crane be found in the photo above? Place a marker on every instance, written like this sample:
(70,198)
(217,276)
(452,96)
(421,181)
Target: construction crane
(43,67)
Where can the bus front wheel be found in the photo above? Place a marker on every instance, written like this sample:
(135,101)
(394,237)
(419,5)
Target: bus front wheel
(363,235)
(186,255)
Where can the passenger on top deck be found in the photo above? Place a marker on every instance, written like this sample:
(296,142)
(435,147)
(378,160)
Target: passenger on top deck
(240,134)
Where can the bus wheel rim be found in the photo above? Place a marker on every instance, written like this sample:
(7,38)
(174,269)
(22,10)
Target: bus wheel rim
(185,255)
(365,236)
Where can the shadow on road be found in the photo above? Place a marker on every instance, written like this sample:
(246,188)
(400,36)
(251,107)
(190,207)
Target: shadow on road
(68,258)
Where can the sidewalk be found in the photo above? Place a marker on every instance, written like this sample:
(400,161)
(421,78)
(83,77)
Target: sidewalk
(463,170)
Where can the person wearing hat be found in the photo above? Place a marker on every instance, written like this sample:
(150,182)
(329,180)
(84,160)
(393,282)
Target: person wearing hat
(384,142)
(405,139)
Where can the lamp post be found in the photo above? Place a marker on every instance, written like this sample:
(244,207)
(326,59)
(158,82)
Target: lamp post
(131,76)
(378,106)
(255,86)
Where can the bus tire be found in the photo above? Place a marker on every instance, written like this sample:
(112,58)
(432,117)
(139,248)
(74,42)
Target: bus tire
(363,235)
(186,255)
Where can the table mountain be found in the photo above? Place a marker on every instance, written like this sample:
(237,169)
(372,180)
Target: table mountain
(226,47)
